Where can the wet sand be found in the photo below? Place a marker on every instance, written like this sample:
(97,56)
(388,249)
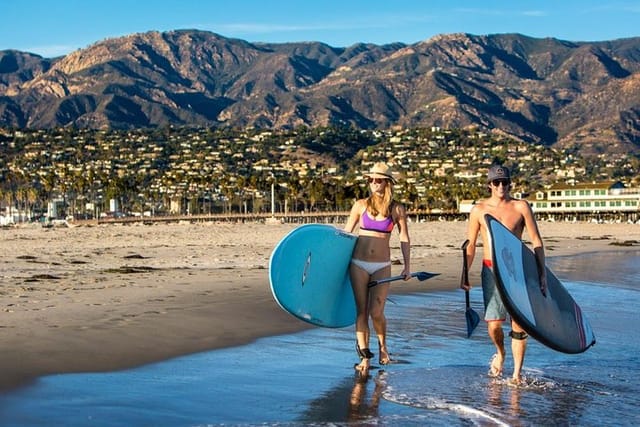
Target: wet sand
(108,297)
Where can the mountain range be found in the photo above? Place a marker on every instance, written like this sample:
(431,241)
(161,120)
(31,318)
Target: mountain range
(543,91)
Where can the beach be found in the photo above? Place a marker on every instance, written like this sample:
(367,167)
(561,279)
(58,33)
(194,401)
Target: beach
(108,297)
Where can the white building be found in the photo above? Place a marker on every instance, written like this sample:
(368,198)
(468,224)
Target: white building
(606,197)
(610,197)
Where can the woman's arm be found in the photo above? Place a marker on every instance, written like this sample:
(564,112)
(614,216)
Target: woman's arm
(354,217)
(405,240)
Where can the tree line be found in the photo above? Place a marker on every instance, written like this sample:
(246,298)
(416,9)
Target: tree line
(199,171)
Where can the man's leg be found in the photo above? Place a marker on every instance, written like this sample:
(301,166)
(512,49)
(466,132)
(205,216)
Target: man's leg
(496,334)
(518,349)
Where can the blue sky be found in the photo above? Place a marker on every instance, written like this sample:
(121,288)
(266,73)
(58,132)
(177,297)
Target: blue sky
(52,28)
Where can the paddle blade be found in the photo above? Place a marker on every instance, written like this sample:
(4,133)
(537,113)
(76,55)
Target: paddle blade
(423,275)
(472,320)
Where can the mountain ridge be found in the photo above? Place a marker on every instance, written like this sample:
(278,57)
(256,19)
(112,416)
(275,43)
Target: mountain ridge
(544,91)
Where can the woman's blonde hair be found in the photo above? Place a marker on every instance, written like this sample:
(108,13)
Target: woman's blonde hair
(381,204)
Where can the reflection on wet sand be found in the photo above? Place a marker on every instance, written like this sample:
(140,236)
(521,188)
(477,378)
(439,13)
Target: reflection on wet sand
(355,399)
(360,405)
(509,404)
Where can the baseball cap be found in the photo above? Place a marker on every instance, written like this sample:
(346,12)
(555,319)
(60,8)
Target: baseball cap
(498,172)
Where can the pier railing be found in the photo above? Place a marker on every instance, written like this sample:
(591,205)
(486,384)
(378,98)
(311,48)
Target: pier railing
(267,218)
(341,217)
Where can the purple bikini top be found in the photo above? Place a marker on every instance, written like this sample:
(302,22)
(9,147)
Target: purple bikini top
(372,224)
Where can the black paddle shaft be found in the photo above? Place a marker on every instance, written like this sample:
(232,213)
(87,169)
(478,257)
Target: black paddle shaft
(420,275)
(471,316)
(464,280)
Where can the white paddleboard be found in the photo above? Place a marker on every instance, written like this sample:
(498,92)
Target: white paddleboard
(555,320)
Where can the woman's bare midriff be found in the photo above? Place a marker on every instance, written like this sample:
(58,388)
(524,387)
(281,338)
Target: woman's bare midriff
(372,246)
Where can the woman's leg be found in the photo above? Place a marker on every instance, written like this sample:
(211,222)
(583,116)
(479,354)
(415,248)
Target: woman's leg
(377,300)
(359,283)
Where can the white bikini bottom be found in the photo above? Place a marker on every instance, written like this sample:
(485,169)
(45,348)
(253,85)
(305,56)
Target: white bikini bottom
(370,267)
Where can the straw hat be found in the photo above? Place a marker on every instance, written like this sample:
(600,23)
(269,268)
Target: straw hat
(381,170)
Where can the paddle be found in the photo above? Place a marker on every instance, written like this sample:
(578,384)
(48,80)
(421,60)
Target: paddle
(472,317)
(420,275)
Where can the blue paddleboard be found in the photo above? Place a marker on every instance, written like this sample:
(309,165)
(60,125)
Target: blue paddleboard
(555,320)
(309,275)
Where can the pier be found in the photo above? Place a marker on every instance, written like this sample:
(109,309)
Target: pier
(340,217)
(267,218)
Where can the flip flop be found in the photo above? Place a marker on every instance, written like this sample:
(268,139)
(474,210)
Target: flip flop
(364,353)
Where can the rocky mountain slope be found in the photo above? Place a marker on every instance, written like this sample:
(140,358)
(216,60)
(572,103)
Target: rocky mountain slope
(545,91)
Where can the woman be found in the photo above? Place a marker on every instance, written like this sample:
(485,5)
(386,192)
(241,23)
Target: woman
(371,260)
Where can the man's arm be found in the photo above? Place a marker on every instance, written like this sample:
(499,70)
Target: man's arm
(472,234)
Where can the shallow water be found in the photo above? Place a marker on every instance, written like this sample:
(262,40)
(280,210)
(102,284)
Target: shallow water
(308,379)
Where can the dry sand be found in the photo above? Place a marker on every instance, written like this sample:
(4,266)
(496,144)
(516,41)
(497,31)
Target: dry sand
(108,297)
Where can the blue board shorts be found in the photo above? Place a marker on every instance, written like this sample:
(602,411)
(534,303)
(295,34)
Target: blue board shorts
(494,308)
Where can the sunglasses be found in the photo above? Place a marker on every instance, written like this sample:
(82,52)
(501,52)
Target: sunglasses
(376,180)
(504,182)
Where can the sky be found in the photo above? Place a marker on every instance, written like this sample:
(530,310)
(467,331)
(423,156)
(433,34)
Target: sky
(53,28)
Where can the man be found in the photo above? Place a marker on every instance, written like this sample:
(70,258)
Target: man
(516,215)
